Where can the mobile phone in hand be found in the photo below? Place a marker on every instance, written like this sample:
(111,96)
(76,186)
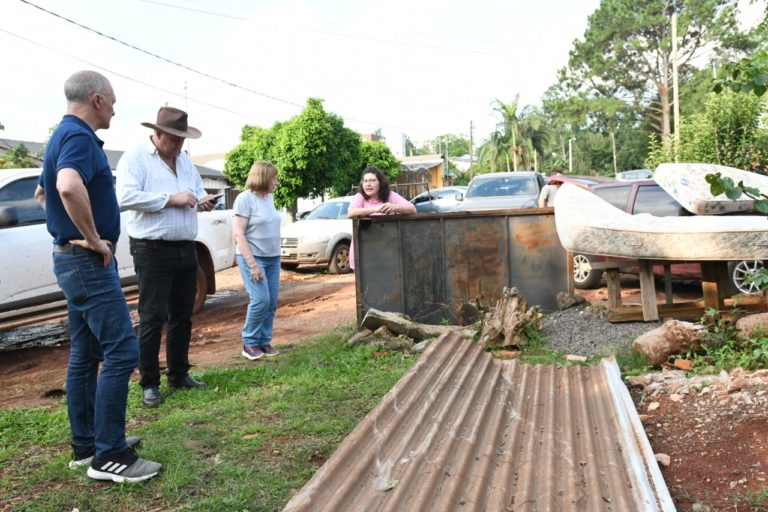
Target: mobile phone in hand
(215,198)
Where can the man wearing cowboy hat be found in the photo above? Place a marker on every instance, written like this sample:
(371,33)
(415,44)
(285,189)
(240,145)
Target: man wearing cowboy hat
(161,186)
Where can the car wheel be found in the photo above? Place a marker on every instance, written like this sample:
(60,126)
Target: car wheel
(584,276)
(289,266)
(739,271)
(340,259)
(202,290)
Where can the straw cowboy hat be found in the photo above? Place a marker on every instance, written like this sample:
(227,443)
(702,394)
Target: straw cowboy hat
(174,121)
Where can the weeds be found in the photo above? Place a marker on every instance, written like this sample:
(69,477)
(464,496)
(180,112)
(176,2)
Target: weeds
(725,349)
(244,442)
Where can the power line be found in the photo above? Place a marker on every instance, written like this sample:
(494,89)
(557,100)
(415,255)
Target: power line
(160,57)
(218,107)
(194,10)
(183,66)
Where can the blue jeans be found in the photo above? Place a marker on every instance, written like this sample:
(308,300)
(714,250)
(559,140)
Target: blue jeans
(100,330)
(257,330)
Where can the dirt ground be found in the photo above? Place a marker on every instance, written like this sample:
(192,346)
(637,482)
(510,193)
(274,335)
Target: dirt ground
(311,303)
(717,440)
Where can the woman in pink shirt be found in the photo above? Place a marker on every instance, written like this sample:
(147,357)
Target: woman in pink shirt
(375,198)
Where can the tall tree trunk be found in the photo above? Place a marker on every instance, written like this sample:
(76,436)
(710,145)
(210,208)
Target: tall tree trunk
(664,103)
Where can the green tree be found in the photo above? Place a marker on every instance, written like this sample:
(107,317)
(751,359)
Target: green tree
(16,157)
(453,145)
(372,154)
(313,151)
(519,141)
(750,74)
(410,147)
(728,131)
(255,144)
(626,52)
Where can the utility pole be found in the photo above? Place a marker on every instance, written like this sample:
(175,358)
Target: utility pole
(675,93)
(514,152)
(570,155)
(613,144)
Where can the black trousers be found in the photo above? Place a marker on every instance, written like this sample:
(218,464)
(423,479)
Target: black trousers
(167,274)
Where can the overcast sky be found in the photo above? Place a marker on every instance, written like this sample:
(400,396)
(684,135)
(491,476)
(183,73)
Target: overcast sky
(415,67)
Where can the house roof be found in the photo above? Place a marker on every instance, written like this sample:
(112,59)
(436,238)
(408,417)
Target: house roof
(463,430)
(113,156)
(420,162)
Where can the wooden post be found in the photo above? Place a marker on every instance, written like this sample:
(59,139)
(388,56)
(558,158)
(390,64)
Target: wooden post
(648,291)
(569,269)
(614,287)
(668,283)
(714,275)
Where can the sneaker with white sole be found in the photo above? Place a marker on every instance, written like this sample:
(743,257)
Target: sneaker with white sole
(84,457)
(269,351)
(123,467)
(251,352)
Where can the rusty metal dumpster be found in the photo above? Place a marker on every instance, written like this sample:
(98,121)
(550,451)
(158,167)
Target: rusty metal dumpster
(427,265)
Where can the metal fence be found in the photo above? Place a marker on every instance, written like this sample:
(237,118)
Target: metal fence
(428,265)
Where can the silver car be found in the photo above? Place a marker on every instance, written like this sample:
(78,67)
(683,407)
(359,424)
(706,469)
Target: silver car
(322,237)
(501,191)
(438,199)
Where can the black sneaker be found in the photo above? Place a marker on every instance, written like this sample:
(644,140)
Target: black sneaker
(123,467)
(83,457)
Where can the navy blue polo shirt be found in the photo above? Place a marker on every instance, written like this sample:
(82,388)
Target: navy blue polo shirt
(74,145)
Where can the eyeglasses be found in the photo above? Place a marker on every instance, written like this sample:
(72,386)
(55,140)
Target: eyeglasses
(370,180)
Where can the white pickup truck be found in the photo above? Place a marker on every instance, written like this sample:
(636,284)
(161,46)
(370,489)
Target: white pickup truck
(26,276)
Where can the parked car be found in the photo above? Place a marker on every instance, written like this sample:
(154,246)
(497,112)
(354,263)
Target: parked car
(580,180)
(501,191)
(634,174)
(438,199)
(322,237)
(26,277)
(646,196)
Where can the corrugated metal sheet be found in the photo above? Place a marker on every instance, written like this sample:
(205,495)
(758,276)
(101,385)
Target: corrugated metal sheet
(465,431)
(427,265)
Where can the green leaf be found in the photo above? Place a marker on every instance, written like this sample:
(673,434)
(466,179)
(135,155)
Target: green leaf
(761,205)
(733,193)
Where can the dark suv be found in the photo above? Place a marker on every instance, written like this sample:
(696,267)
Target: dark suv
(646,196)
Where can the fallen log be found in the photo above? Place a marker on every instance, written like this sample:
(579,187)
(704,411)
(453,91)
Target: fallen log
(399,323)
(42,335)
(673,337)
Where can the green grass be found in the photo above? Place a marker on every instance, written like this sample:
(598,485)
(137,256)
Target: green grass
(245,442)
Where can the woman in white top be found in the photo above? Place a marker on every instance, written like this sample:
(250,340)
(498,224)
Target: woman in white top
(256,230)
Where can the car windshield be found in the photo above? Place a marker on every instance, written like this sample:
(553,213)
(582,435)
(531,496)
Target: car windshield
(330,210)
(504,186)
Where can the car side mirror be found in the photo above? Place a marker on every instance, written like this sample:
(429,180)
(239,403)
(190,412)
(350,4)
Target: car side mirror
(8,217)
(459,196)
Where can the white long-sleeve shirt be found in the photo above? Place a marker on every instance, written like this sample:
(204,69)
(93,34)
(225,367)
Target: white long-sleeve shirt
(145,184)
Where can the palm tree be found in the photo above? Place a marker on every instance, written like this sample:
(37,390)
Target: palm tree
(524,133)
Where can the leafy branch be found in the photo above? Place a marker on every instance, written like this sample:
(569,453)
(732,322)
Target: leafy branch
(719,184)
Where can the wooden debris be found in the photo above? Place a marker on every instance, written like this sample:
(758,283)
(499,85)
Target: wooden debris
(398,324)
(673,337)
(43,335)
(505,324)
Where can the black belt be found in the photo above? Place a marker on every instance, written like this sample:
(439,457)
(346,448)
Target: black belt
(160,242)
(69,248)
